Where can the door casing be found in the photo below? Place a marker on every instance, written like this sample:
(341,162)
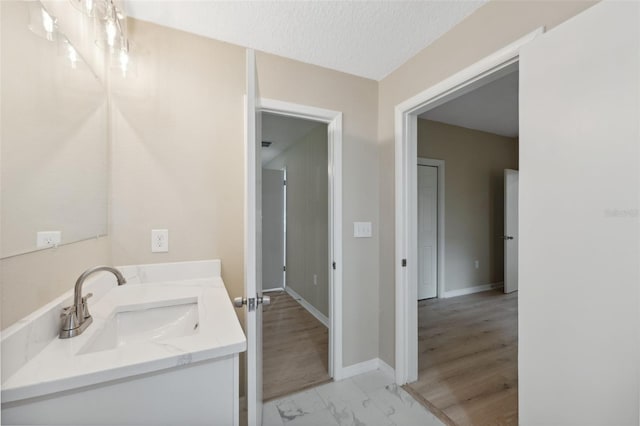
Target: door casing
(334,121)
(489,69)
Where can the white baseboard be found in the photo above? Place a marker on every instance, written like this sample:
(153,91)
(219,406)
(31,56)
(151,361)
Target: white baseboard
(309,307)
(365,367)
(386,368)
(471,290)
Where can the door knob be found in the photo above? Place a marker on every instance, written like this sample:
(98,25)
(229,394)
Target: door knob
(251,302)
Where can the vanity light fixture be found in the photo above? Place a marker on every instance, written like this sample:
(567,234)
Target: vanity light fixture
(111,26)
(41,22)
(123,60)
(72,54)
(88,7)
(47,22)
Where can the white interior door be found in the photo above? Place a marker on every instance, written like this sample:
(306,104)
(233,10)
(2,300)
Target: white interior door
(578,302)
(427,232)
(510,231)
(253,243)
(273,229)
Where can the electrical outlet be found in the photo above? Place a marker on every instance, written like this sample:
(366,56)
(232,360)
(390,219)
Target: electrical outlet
(46,239)
(159,240)
(315,279)
(477,264)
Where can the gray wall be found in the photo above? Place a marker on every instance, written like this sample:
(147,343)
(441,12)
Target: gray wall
(307,217)
(474,198)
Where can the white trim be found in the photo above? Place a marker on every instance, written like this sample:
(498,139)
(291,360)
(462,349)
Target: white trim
(366,367)
(488,69)
(284,230)
(308,306)
(359,368)
(440,165)
(254,395)
(386,368)
(334,121)
(472,290)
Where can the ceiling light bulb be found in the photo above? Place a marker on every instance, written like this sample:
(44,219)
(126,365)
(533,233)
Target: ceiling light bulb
(111,32)
(88,5)
(72,54)
(124,61)
(47,23)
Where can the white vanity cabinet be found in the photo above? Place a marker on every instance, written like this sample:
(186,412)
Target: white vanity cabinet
(141,361)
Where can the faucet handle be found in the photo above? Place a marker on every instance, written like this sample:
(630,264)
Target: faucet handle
(69,319)
(85,306)
(66,310)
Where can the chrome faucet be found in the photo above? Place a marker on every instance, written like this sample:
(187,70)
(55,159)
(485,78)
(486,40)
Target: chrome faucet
(76,318)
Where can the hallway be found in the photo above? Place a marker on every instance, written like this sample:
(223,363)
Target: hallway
(295,348)
(468,358)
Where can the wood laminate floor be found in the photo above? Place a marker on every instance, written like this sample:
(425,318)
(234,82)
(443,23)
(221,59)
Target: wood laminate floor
(468,358)
(295,348)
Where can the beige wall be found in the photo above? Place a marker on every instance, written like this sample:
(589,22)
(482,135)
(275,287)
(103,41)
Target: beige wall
(32,280)
(490,28)
(68,106)
(307,217)
(53,112)
(356,97)
(474,199)
(177,151)
(178,163)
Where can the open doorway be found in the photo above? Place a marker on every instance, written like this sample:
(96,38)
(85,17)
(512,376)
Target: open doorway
(467,314)
(295,254)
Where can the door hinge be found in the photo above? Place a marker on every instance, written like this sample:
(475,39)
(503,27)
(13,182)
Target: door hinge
(404,263)
(333,265)
(284,268)
(284,183)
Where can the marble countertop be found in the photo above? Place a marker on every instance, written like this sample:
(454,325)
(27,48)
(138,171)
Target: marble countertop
(62,365)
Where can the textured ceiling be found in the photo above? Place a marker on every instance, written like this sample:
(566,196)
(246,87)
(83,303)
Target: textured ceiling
(366,38)
(492,108)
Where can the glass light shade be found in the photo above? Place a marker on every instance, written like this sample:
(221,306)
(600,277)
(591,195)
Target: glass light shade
(41,22)
(111,28)
(88,7)
(71,53)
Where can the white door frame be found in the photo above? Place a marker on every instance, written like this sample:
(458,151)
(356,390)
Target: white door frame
(439,165)
(482,72)
(334,121)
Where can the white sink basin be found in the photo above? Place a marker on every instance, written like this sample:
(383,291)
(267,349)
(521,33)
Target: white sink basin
(136,329)
(144,323)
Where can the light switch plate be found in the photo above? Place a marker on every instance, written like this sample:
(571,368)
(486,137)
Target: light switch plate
(362,229)
(159,240)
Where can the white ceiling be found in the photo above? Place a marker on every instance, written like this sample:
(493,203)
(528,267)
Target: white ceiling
(365,38)
(491,108)
(283,132)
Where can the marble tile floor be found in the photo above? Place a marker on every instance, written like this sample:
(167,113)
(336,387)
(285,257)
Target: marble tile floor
(370,399)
